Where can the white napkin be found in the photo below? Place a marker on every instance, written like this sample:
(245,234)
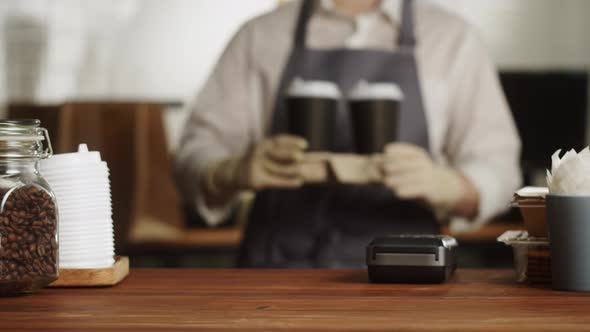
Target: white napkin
(532,192)
(570,174)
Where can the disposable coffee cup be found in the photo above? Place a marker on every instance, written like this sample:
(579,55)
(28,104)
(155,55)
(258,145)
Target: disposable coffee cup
(80,181)
(311,108)
(374,112)
(569,237)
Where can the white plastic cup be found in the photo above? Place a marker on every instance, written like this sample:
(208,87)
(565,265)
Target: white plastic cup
(80,182)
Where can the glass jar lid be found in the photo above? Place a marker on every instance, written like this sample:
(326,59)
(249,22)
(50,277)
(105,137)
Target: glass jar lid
(24,138)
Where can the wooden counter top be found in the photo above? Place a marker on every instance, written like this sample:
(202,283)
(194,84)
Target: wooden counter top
(305,300)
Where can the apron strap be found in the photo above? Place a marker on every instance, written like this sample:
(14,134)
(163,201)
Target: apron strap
(406,38)
(301,29)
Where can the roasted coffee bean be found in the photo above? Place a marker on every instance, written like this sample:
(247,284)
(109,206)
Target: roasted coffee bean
(41,250)
(28,229)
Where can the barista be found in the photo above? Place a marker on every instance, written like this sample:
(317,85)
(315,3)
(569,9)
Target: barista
(458,162)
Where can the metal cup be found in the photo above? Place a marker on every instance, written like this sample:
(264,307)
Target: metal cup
(569,236)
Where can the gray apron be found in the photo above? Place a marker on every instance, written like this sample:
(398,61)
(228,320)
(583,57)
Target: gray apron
(330,225)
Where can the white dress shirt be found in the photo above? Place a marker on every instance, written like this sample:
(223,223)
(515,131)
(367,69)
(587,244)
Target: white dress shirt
(470,125)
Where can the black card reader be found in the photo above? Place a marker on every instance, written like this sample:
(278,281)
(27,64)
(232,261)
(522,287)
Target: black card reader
(411,259)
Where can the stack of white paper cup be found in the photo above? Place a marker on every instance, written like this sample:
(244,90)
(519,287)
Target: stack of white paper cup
(81,185)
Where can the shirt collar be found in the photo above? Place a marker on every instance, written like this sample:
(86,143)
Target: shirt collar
(392,9)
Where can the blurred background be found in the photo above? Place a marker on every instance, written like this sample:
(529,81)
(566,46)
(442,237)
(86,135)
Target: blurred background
(117,73)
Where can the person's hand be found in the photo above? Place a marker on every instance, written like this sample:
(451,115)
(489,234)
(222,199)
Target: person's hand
(412,175)
(274,162)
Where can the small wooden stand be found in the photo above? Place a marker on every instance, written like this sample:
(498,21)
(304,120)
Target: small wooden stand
(94,277)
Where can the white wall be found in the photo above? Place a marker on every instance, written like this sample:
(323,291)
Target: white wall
(47,44)
(531,34)
(59,49)
(165,49)
(171,46)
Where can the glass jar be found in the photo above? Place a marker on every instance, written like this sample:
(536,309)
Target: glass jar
(28,218)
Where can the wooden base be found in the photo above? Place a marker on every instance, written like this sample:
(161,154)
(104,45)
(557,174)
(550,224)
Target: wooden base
(94,277)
